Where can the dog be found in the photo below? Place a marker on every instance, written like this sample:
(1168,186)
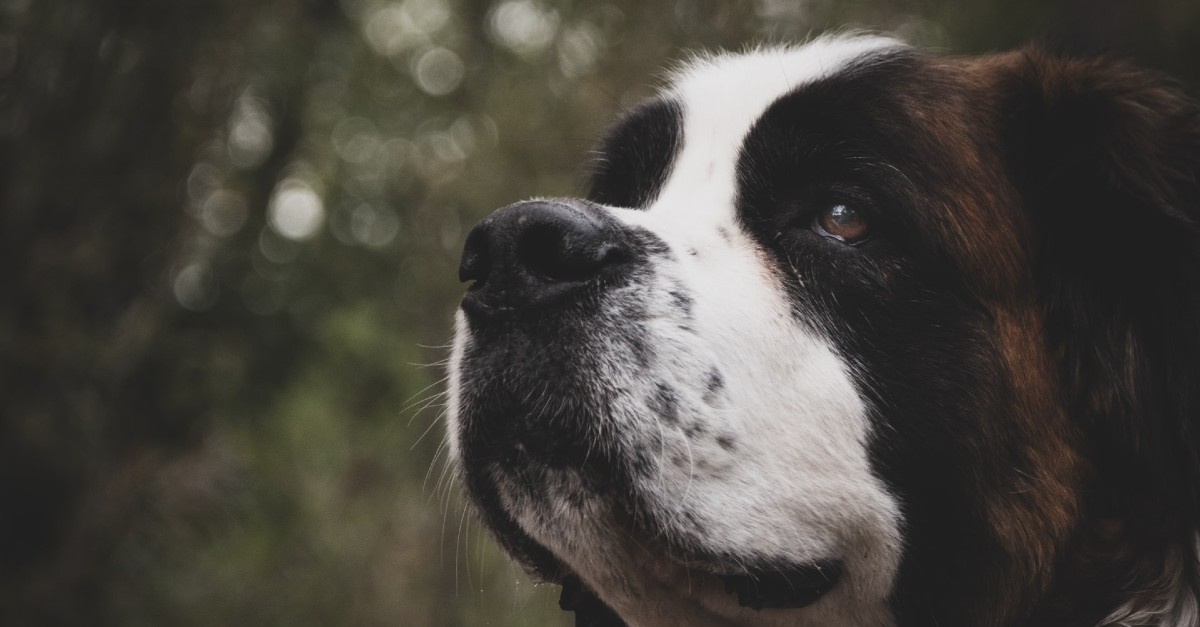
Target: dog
(851,334)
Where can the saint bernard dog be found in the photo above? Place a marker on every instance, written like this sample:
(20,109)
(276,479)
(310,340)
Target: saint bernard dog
(848,334)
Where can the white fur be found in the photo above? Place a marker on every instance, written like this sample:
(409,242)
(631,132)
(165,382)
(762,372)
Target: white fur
(1171,600)
(798,484)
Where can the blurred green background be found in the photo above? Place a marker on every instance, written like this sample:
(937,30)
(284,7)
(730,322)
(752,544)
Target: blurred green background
(229,233)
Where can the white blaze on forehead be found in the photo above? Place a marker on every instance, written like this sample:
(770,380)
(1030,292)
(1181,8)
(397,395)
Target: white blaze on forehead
(797,483)
(722,96)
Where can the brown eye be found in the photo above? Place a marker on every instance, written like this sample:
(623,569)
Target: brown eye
(840,222)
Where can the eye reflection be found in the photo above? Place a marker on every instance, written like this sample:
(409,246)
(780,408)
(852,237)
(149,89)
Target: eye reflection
(840,222)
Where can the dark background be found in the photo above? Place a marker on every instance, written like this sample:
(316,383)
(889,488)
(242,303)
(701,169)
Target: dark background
(229,233)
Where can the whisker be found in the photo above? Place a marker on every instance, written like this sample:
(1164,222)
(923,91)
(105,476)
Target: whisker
(437,454)
(429,402)
(410,402)
(459,534)
(433,423)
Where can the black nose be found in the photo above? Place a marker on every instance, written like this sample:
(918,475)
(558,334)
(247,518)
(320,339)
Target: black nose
(533,252)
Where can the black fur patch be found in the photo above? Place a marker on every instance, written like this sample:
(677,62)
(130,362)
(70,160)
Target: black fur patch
(636,155)
(1100,163)
(896,304)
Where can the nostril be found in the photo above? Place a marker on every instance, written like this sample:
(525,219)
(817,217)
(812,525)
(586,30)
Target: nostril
(476,262)
(538,252)
(566,250)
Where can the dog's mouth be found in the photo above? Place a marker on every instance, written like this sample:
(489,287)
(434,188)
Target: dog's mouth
(784,588)
(777,589)
(759,583)
(766,585)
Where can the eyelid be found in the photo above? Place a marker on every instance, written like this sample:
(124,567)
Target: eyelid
(853,196)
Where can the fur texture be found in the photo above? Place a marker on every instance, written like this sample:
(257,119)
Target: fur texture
(685,389)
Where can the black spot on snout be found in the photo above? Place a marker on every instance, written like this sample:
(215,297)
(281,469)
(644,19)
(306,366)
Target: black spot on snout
(681,301)
(693,522)
(640,348)
(665,403)
(714,384)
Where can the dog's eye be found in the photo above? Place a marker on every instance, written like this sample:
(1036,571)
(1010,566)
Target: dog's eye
(840,222)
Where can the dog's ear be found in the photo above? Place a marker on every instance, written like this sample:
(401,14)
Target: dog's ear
(1107,158)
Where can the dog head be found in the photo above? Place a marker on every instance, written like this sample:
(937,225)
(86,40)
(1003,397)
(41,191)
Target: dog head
(847,334)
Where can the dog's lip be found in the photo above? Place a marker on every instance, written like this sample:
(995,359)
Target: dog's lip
(787,587)
(759,583)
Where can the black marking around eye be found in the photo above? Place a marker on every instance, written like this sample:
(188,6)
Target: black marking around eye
(828,142)
(898,308)
(635,157)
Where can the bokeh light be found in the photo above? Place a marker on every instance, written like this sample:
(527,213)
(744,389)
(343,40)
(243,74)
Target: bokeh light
(438,71)
(296,210)
(195,288)
(223,212)
(523,26)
